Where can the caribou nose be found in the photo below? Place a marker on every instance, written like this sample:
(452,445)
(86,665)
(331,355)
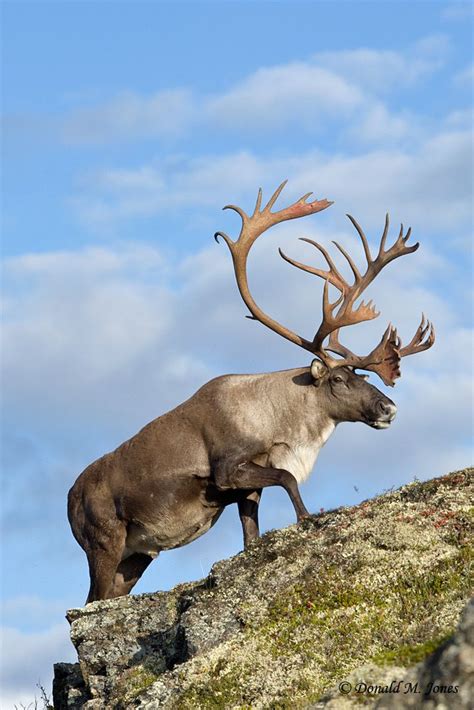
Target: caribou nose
(388,409)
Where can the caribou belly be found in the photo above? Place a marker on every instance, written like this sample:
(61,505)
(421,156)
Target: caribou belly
(152,539)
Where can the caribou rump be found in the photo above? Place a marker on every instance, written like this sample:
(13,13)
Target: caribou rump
(238,434)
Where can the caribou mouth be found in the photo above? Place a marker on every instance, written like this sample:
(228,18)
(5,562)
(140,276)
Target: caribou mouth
(380,423)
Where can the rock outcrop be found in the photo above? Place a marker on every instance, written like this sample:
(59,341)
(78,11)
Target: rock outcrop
(327,613)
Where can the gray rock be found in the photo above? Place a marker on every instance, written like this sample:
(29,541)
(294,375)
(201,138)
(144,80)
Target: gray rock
(358,593)
(69,688)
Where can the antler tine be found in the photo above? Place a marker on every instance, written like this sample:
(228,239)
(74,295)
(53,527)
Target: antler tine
(432,335)
(328,307)
(226,238)
(401,238)
(332,274)
(274,197)
(244,216)
(326,255)
(258,202)
(363,238)
(418,342)
(399,247)
(336,347)
(354,268)
(374,266)
(311,270)
(384,235)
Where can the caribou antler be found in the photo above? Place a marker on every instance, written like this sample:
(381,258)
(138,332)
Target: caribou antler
(384,360)
(252,227)
(385,357)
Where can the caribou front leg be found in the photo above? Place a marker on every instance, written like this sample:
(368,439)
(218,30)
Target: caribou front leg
(248,513)
(250,476)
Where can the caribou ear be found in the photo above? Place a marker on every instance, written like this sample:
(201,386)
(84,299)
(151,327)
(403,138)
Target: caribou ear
(318,370)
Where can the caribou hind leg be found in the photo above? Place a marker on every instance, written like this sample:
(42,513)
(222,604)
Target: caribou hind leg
(104,547)
(102,567)
(129,572)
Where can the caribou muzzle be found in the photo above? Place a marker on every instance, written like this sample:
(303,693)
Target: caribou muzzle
(383,415)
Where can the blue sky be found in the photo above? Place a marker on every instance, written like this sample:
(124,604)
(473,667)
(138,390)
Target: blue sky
(127,126)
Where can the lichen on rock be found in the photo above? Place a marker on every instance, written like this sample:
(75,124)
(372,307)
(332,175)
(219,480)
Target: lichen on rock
(377,586)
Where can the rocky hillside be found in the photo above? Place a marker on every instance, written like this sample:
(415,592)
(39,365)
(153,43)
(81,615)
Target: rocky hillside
(355,595)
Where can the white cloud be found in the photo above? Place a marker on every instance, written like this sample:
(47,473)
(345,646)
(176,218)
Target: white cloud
(378,126)
(271,97)
(113,194)
(382,70)
(429,185)
(457,11)
(465,77)
(74,293)
(29,660)
(96,320)
(31,609)
(337,86)
(95,260)
(461,119)
(166,114)
(283,95)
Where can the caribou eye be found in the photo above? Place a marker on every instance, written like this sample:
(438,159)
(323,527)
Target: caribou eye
(338,378)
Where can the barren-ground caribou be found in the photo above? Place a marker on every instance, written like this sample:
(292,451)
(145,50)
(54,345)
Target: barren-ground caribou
(169,483)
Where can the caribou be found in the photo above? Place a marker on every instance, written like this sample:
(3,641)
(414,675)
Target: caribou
(238,434)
